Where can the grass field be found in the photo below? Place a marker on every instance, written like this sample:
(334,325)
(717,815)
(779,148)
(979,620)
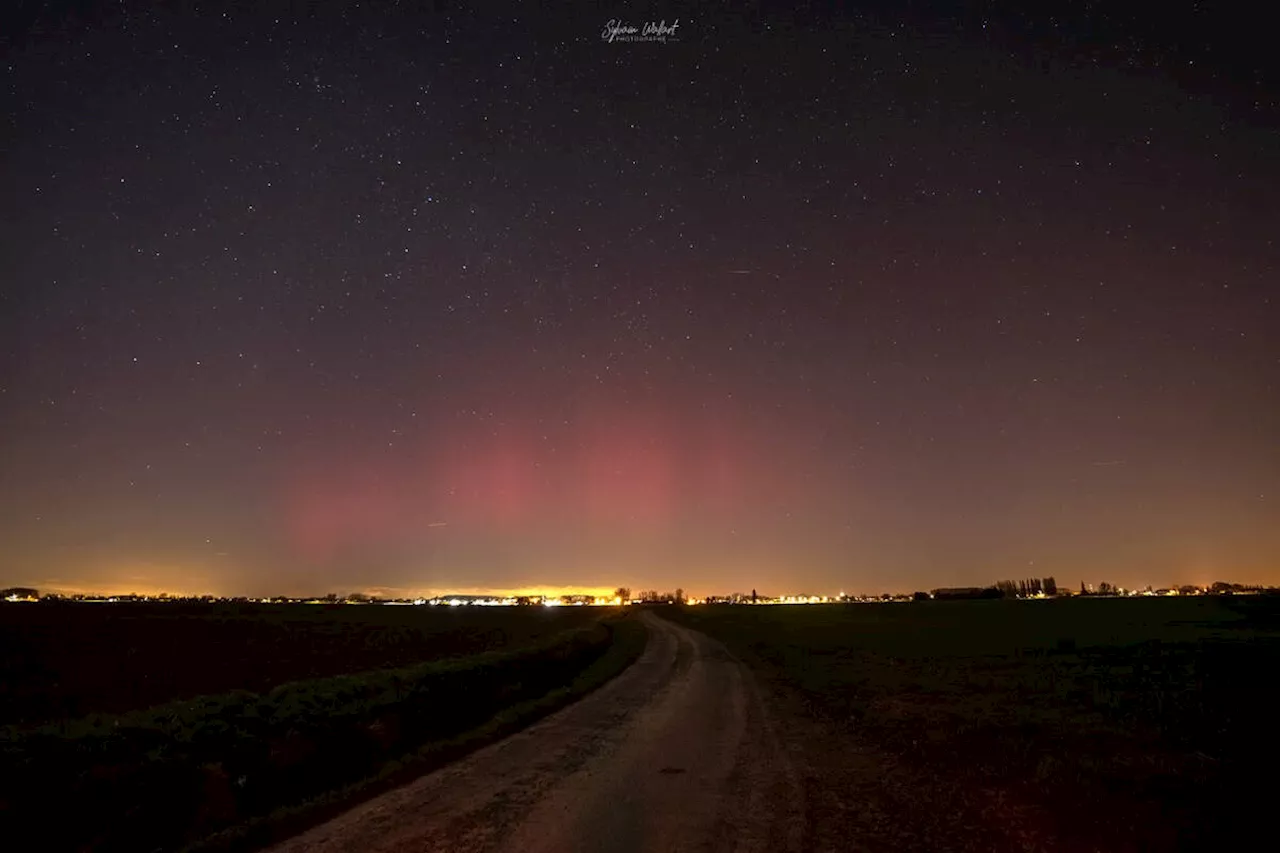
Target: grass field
(1094,724)
(66,660)
(229,770)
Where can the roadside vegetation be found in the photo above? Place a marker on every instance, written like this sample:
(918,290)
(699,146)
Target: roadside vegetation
(1116,724)
(237,769)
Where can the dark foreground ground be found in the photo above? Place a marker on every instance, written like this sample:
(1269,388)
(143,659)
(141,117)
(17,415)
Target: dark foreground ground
(66,660)
(232,770)
(1074,725)
(1085,725)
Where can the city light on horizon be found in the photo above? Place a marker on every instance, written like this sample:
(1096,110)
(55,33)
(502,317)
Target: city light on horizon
(147,580)
(612,597)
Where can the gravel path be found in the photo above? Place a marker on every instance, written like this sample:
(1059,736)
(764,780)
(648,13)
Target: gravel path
(677,753)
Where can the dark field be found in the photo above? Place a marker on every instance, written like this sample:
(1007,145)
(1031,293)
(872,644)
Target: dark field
(233,769)
(1090,724)
(66,660)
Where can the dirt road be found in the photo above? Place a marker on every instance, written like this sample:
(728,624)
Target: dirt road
(677,753)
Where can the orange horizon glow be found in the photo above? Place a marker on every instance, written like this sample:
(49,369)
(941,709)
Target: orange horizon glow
(107,590)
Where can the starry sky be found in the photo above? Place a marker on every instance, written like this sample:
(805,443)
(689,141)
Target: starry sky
(301,298)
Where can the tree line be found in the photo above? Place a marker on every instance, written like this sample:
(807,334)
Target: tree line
(1028,587)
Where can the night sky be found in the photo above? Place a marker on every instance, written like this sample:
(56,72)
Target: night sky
(312,299)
